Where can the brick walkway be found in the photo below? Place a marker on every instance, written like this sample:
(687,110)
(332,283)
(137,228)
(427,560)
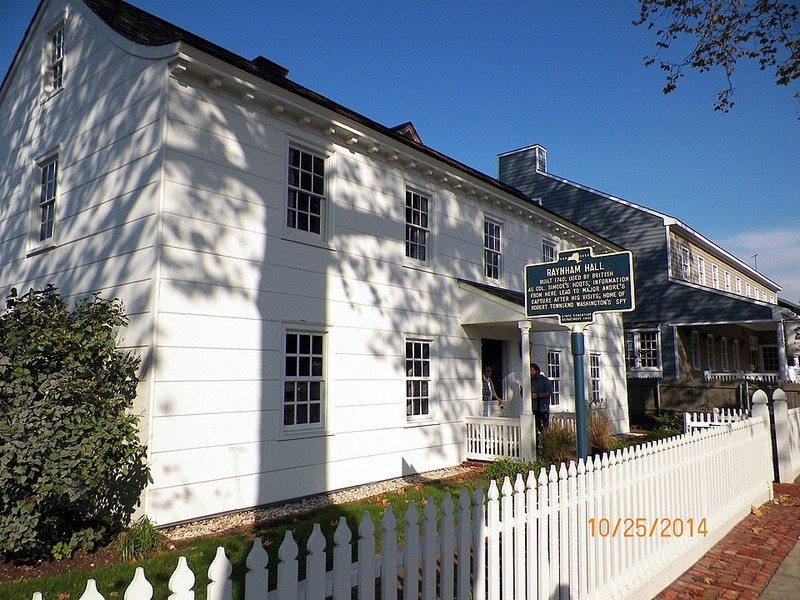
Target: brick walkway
(743,562)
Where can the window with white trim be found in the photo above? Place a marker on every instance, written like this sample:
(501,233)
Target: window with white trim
(723,355)
(304,379)
(696,350)
(417,225)
(747,290)
(594,378)
(548,251)
(48,193)
(736,356)
(715,277)
(492,248)
(554,375)
(55,52)
(739,285)
(686,263)
(710,352)
(642,350)
(306,203)
(701,270)
(418,378)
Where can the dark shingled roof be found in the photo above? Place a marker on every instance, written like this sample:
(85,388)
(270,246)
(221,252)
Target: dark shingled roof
(502,293)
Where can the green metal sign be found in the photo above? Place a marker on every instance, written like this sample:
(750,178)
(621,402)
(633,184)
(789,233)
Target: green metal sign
(578,285)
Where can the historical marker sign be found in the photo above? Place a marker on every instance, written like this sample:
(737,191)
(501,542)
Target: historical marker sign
(578,285)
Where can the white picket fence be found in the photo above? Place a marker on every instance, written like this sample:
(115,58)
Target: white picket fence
(622,525)
(717,418)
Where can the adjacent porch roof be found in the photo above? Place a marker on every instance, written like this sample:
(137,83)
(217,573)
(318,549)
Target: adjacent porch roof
(482,304)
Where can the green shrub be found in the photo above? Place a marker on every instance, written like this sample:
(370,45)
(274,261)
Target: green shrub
(507,467)
(71,463)
(558,443)
(141,541)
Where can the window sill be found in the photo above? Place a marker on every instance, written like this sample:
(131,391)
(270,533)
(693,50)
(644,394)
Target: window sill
(420,422)
(41,249)
(301,434)
(308,240)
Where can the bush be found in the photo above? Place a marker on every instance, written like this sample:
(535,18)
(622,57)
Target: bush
(558,442)
(140,541)
(599,432)
(507,467)
(71,463)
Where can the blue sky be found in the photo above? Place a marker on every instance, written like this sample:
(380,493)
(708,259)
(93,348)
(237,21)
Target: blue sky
(479,78)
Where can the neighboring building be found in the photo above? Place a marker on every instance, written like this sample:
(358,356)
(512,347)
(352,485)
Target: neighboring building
(313,294)
(700,311)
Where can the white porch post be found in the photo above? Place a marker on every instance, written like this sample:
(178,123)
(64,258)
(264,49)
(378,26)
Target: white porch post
(783,363)
(526,421)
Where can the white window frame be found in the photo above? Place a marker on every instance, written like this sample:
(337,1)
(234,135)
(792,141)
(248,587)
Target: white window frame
(304,381)
(493,248)
(686,263)
(747,290)
(724,365)
(727,278)
(595,378)
(640,343)
(715,276)
(418,371)
(695,351)
(549,250)
(701,270)
(710,353)
(296,189)
(739,285)
(417,223)
(554,364)
(55,52)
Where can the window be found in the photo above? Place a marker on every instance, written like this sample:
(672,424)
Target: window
(736,354)
(715,277)
(417,226)
(696,350)
(723,355)
(739,285)
(48,191)
(492,249)
(548,251)
(55,60)
(306,200)
(418,378)
(594,377)
(769,358)
(701,270)
(686,265)
(304,378)
(641,350)
(747,291)
(554,375)
(727,281)
(710,349)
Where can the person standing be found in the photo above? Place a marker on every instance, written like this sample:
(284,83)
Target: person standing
(489,393)
(541,392)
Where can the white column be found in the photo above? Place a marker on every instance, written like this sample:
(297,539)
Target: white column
(783,363)
(526,420)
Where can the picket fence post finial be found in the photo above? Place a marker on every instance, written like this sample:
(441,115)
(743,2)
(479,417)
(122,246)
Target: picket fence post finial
(139,588)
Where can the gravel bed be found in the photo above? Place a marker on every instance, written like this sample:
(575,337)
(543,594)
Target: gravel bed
(289,509)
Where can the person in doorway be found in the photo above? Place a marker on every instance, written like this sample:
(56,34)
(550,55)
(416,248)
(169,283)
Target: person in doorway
(541,391)
(489,393)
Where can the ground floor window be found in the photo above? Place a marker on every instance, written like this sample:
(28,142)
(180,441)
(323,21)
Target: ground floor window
(723,354)
(554,375)
(304,378)
(594,378)
(418,378)
(769,358)
(642,350)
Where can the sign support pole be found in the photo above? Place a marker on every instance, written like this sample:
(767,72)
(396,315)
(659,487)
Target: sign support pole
(580,388)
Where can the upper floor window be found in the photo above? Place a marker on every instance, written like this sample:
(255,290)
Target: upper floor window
(418,378)
(701,270)
(715,277)
(306,196)
(548,251)
(48,192)
(304,378)
(739,285)
(594,377)
(727,279)
(55,60)
(686,265)
(417,225)
(492,248)
(554,375)
(747,291)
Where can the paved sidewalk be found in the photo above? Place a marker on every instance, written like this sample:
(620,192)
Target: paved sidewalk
(759,558)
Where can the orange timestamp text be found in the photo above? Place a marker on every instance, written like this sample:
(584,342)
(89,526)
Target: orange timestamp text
(642,527)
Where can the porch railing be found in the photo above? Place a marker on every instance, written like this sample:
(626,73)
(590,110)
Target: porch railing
(741,376)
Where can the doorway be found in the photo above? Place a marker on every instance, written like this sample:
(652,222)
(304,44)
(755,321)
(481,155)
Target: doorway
(492,356)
